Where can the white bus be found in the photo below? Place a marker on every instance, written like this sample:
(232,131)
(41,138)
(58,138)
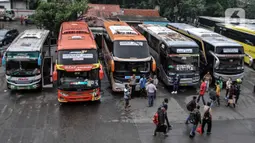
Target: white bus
(28,61)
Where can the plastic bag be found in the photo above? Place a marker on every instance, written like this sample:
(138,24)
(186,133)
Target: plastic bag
(199,129)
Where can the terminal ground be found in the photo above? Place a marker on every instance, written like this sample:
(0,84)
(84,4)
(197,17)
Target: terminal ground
(37,117)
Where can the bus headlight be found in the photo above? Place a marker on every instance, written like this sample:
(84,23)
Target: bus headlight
(63,94)
(170,79)
(240,68)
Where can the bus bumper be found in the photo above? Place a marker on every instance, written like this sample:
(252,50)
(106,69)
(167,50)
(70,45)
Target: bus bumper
(79,96)
(225,77)
(119,87)
(14,86)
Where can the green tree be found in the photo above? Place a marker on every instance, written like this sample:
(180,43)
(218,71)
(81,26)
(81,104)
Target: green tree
(213,8)
(50,15)
(250,9)
(191,8)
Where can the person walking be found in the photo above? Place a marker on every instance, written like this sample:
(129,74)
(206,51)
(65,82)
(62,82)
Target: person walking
(127,95)
(21,20)
(231,97)
(155,82)
(238,89)
(197,120)
(142,83)
(191,107)
(220,81)
(228,86)
(151,88)
(202,92)
(133,85)
(165,105)
(208,80)
(218,93)
(161,119)
(176,84)
(212,96)
(207,118)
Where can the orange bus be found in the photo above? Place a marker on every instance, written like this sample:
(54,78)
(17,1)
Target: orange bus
(77,71)
(125,52)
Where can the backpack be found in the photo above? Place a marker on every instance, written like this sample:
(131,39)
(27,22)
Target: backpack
(189,106)
(155,118)
(207,114)
(194,117)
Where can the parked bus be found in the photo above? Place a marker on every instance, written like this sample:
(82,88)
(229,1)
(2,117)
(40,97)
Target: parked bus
(27,62)
(77,71)
(243,34)
(174,54)
(126,52)
(219,55)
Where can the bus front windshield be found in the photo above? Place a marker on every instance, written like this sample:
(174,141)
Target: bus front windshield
(231,63)
(131,49)
(74,81)
(76,57)
(22,68)
(182,63)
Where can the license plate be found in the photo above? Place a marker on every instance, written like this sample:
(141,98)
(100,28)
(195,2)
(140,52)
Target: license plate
(21,87)
(184,84)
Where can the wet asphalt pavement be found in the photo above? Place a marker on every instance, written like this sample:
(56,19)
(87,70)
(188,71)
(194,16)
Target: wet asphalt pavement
(37,117)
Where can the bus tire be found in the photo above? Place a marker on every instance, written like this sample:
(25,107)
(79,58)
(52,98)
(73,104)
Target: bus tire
(7,85)
(253,66)
(98,101)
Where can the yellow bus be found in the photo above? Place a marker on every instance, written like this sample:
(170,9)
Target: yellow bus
(243,34)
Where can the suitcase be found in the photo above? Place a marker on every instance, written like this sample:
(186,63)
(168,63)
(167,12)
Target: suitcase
(161,128)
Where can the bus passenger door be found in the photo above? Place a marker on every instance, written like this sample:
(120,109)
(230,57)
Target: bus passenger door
(47,72)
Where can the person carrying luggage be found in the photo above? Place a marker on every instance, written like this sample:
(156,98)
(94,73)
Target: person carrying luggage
(159,120)
(191,107)
(196,120)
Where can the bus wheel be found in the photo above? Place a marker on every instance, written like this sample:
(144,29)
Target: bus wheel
(7,85)
(253,66)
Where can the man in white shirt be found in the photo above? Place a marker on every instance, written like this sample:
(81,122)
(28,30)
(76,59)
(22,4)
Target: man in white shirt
(151,89)
(228,85)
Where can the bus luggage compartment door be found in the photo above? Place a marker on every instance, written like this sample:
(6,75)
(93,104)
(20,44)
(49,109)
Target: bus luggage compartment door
(47,72)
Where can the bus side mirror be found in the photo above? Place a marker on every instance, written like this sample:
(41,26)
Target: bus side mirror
(39,61)
(153,65)
(101,72)
(55,76)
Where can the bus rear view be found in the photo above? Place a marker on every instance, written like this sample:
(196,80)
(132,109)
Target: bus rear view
(77,71)
(126,52)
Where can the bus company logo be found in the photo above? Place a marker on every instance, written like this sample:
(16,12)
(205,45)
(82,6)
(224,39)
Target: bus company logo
(235,16)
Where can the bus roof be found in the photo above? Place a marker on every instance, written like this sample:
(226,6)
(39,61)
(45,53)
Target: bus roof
(208,36)
(29,40)
(229,20)
(119,30)
(75,35)
(170,37)
(246,28)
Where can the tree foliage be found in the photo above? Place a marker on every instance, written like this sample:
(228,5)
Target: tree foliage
(187,8)
(50,15)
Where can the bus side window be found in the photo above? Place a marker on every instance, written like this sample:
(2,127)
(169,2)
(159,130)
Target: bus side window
(154,42)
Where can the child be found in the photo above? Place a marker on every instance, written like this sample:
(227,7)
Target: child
(218,92)
(127,96)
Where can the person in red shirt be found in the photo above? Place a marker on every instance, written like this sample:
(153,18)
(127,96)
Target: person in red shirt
(202,91)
